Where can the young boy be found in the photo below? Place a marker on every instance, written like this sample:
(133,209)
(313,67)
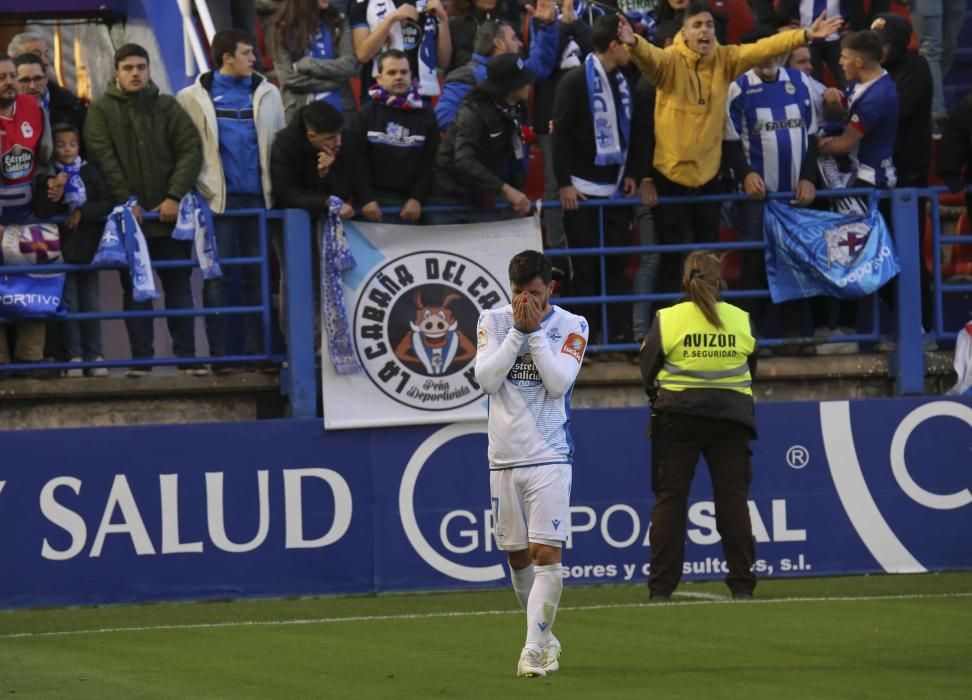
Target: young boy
(88,202)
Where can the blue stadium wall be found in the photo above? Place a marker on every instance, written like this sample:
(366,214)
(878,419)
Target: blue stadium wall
(282,508)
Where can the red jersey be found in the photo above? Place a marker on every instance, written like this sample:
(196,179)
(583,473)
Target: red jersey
(20,137)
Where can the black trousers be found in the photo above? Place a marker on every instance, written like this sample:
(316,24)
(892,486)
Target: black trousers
(684,223)
(582,227)
(677,441)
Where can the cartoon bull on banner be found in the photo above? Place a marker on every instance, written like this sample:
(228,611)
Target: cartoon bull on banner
(435,339)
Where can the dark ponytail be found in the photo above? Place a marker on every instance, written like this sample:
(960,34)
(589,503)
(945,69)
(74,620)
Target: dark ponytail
(702,279)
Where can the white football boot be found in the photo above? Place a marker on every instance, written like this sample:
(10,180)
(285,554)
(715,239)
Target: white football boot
(550,656)
(530,664)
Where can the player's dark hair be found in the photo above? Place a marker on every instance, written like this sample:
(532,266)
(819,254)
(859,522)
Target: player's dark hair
(528,265)
(321,118)
(391,53)
(226,41)
(702,279)
(867,42)
(128,50)
(695,7)
(605,31)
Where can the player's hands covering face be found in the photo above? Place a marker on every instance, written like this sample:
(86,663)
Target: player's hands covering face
(527,312)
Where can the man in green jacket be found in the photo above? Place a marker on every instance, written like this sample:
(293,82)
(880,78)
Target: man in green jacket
(147,147)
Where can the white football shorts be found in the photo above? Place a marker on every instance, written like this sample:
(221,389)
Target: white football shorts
(530,504)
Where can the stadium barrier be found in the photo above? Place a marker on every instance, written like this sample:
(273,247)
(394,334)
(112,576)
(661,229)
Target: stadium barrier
(274,508)
(300,379)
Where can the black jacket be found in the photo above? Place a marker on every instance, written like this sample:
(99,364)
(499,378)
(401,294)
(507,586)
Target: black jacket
(573,138)
(544,91)
(382,162)
(912,77)
(955,149)
(642,151)
(476,157)
(709,403)
(80,244)
(293,171)
(65,108)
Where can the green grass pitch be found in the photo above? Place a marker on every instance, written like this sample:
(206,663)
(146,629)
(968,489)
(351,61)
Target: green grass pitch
(854,637)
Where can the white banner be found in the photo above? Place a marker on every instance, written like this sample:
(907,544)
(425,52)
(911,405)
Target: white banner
(412,302)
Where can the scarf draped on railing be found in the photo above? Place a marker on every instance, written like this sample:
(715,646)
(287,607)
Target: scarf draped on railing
(612,123)
(195,223)
(75,193)
(428,56)
(124,243)
(336,259)
(409,102)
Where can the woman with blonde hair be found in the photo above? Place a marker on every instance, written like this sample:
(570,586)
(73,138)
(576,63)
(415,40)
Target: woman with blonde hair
(697,365)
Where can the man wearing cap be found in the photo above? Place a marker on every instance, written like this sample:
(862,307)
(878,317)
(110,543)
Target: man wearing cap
(693,77)
(591,140)
(481,160)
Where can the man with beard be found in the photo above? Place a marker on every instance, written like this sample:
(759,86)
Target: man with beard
(24,146)
(393,142)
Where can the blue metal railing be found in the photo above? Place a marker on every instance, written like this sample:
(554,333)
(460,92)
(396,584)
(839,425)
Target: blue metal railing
(300,378)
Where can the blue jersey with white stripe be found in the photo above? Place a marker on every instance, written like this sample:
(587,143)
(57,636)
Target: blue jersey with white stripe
(806,11)
(773,120)
(873,110)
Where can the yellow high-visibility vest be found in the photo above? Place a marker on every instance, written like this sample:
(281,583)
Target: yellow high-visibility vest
(700,356)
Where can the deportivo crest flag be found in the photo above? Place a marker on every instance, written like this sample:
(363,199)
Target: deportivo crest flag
(412,301)
(35,294)
(820,253)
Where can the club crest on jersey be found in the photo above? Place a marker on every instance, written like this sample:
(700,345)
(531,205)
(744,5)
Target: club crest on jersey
(790,89)
(574,346)
(26,129)
(413,328)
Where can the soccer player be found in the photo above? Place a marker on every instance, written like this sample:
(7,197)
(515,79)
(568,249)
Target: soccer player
(528,355)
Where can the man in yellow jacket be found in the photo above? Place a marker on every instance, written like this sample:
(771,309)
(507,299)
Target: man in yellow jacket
(692,77)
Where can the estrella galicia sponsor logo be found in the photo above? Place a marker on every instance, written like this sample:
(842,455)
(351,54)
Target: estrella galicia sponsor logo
(17,163)
(524,371)
(415,325)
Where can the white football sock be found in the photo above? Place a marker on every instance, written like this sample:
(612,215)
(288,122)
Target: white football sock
(542,606)
(522,583)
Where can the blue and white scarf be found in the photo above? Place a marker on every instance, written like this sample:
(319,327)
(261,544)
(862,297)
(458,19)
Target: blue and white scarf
(336,259)
(428,56)
(75,193)
(322,47)
(195,223)
(124,243)
(612,126)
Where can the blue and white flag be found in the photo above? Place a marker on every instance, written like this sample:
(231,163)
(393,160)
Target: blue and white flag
(428,54)
(336,259)
(821,253)
(124,243)
(30,295)
(195,223)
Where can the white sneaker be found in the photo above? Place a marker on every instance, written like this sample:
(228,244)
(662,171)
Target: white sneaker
(74,372)
(551,654)
(530,664)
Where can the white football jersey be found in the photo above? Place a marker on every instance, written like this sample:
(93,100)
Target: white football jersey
(529,377)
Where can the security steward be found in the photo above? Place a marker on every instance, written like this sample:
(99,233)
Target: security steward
(697,364)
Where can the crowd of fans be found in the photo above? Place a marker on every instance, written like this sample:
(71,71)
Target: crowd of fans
(654,106)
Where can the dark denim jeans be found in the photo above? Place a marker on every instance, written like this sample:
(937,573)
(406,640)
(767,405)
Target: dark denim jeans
(82,338)
(178,295)
(236,237)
